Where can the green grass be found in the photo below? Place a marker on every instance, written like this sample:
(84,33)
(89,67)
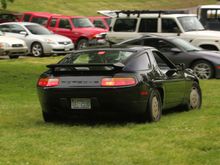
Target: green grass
(178,138)
(89,7)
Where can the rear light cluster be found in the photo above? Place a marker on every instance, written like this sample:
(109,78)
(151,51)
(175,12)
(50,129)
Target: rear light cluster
(48,82)
(111,82)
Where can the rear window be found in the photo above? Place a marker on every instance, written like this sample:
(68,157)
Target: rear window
(125,25)
(40,20)
(98,57)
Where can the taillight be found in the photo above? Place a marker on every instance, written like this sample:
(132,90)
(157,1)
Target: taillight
(48,82)
(111,82)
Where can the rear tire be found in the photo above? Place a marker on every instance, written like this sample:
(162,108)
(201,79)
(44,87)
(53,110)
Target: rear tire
(195,97)
(154,107)
(48,117)
(13,57)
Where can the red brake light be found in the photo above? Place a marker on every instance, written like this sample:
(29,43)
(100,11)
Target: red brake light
(48,82)
(111,82)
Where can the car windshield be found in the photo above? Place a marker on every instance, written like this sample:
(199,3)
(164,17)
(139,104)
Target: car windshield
(98,57)
(185,45)
(82,22)
(190,23)
(38,30)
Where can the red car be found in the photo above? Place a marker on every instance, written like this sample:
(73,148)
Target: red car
(101,21)
(78,28)
(37,17)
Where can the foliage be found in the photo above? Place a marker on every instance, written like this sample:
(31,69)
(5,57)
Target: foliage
(4,3)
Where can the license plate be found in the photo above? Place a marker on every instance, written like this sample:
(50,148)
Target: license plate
(67,49)
(80,103)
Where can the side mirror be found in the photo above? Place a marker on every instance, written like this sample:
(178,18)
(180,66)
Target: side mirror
(24,33)
(175,50)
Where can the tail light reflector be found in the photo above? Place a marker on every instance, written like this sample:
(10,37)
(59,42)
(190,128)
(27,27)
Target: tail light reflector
(111,82)
(48,82)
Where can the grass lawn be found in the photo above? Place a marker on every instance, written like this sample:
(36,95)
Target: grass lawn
(89,7)
(179,138)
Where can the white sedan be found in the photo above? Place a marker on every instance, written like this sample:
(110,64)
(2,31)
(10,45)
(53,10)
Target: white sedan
(40,41)
(12,47)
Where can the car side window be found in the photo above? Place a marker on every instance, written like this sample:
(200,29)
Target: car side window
(26,18)
(125,25)
(148,25)
(64,23)
(16,29)
(53,22)
(161,63)
(169,26)
(5,28)
(160,44)
(98,23)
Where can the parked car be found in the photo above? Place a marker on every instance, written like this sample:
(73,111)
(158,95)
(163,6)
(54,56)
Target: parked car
(40,41)
(101,21)
(129,24)
(79,29)
(204,63)
(9,17)
(41,18)
(137,80)
(209,16)
(12,47)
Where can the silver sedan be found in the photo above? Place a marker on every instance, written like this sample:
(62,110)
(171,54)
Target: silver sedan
(40,41)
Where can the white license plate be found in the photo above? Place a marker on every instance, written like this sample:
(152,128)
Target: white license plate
(67,49)
(80,103)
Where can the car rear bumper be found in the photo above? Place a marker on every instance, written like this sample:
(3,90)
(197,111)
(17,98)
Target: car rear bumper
(122,101)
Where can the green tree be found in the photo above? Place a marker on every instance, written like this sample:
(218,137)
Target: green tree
(5,2)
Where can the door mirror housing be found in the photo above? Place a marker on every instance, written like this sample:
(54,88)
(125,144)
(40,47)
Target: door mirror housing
(175,50)
(23,33)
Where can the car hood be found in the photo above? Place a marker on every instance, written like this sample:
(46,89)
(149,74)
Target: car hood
(204,33)
(54,37)
(11,40)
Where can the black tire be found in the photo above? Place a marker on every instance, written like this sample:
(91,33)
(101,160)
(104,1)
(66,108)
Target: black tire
(203,69)
(195,97)
(13,57)
(48,117)
(154,107)
(37,49)
(82,43)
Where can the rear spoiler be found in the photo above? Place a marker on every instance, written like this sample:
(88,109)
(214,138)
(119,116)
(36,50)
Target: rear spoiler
(116,66)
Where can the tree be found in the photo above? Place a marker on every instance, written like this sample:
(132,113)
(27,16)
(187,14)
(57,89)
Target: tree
(5,2)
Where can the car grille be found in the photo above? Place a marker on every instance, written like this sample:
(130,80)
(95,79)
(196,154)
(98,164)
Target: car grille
(17,45)
(65,43)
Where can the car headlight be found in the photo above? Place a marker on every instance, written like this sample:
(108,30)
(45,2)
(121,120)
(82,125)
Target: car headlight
(4,45)
(100,35)
(49,41)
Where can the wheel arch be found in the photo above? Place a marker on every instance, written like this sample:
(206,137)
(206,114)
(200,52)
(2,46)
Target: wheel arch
(161,91)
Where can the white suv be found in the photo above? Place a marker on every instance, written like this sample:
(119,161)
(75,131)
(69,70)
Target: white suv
(129,24)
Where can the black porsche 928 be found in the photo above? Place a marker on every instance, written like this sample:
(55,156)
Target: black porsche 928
(137,80)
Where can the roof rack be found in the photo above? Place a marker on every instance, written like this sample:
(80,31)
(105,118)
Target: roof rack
(139,12)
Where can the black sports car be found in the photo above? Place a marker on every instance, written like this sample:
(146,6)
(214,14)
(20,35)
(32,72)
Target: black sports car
(137,80)
(204,63)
